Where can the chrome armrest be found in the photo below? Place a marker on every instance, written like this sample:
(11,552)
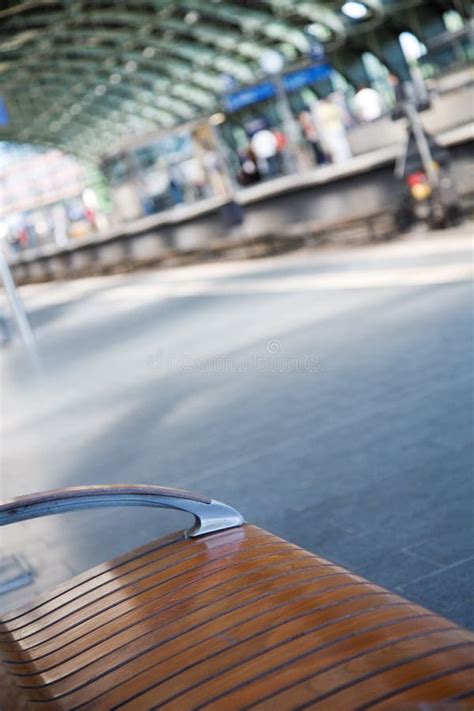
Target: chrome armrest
(210,515)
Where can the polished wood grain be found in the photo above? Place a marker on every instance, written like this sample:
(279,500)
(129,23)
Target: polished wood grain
(233,620)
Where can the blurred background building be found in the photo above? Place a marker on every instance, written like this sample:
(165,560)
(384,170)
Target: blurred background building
(48,196)
(137,107)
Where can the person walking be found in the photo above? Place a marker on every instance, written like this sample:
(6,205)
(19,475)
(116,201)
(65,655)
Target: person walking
(330,118)
(311,134)
(368,104)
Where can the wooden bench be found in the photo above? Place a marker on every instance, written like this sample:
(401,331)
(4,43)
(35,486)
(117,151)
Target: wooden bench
(224,616)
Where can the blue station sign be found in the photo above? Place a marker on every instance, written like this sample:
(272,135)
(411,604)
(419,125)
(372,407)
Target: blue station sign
(250,95)
(303,77)
(260,92)
(4,118)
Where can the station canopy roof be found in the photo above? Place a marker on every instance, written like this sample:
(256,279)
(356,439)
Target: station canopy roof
(86,74)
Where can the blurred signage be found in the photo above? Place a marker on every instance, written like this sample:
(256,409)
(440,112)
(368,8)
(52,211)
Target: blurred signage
(292,81)
(4,118)
(249,95)
(308,75)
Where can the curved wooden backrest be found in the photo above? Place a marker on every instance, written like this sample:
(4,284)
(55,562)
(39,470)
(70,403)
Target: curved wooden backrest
(232,620)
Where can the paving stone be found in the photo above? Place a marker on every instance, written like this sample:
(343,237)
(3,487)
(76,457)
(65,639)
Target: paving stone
(448,591)
(367,461)
(14,573)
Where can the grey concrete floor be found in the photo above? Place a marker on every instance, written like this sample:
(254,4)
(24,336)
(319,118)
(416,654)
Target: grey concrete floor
(325,394)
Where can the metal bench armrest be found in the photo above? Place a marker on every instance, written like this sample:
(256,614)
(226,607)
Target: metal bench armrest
(210,515)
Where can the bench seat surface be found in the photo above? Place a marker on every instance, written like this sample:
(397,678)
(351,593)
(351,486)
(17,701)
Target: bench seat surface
(232,620)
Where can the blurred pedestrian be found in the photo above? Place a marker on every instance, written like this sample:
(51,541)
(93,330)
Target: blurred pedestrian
(368,104)
(13,240)
(89,215)
(330,118)
(340,99)
(23,236)
(175,184)
(4,330)
(311,135)
(264,145)
(399,96)
(249,172)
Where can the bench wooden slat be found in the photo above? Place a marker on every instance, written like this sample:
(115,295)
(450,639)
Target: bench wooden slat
(229,620)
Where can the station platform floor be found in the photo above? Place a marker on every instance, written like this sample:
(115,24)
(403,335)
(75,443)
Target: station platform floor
(327,394)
